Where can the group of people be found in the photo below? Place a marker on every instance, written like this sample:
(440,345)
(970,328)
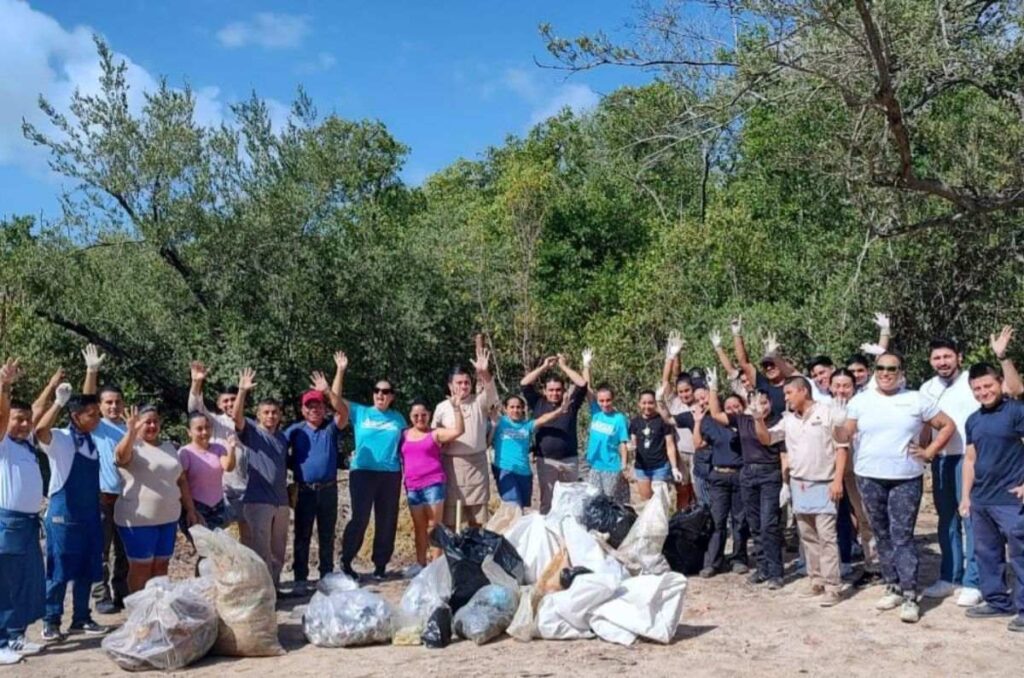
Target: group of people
(843,449)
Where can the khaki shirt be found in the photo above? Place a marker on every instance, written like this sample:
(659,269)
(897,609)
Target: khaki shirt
(810,445)
(475,411)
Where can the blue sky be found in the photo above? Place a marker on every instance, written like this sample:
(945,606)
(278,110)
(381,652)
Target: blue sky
(448,78)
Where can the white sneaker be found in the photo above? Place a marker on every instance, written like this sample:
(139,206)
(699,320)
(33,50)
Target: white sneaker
(939,589)
(8,656)
(969,597)
(24,646)
(910,612)
(412,570)
(890,601)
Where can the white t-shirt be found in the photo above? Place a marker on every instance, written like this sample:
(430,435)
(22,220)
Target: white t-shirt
(61,452)
(956,400)
(817,394)
(21,482)
(886,425)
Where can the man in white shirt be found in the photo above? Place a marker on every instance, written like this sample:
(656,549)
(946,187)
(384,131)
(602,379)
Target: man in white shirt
(949,390)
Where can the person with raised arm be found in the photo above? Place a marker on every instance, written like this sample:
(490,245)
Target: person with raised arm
(887,420)
(109,593)
(265,502)
(555,444)
(859,363)
(375,473)
(774,368)
(313,459)
(675,396)
(74,531)
(466,468)
(155,492)
(511,441)
(22,573)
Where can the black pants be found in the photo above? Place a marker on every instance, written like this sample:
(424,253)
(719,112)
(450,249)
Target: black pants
(379,491)
(114,586)
(726,502)
(315,503)
(760,486)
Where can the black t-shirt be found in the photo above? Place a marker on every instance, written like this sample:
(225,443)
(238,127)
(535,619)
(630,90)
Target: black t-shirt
(753,451)
(724,441)
(651,452)
(557,438)
(776,396)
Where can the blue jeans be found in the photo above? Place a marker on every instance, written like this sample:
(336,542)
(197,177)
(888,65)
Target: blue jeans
(80,593)
(952,530)
(760,485)
(515,488)
(998,529)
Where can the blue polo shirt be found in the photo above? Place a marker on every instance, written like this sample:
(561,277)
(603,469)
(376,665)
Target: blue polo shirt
(723,441)
(267,459)
(607,432)
(377,435)
(999,463)
(313,456)
(107,435)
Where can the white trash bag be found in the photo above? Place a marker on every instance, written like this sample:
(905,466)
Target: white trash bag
(169,626)
(524,624)
(344,615)
(585,550)
(427,591)
(649,607)
(568,500)
(565,615)
(641,550)
(535,543)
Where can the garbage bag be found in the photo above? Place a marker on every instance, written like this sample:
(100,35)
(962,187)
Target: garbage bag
(641,550)
(649,606)
(570,573)
(604,514)
(535,544)
(565,615)
(437,632)
(568,500)
(689,532)
(169,626)
(428,590)
(586,551)
(335,582)
(505,517)
(487,615)
(246,597)
(524,622)
(550,579)
(346,618)
(465,554)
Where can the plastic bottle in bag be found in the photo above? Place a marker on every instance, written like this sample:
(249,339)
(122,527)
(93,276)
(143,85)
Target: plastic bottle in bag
(347,618)
(429,590)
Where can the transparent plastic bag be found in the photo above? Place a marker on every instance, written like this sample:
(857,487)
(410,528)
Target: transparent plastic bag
(428,590)
(246,597)
(169,625)
(487,614)
(524,623)
(641,550)
(346,618)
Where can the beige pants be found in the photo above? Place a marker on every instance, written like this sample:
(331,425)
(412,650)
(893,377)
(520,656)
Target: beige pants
(268,535)
(821,549)
(867,537)
(551,471)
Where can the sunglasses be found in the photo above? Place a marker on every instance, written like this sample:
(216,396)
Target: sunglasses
(892,369)
(383,391)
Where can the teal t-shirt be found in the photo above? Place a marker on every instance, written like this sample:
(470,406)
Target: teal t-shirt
(377,436)
(607,431)
(512,445)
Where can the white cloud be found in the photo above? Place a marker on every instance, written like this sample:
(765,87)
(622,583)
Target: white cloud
(266,29)
(545,100)
(324,61)
(578,98)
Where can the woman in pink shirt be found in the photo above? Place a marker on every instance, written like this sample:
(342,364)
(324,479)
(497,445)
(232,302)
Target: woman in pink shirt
(204,464)
(424,475)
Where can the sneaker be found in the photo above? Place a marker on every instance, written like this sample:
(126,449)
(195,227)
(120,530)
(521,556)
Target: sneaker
(867,578)
(24,646)
(774,584)
(301,588)
(9,656)
(412,570)
(51,631)
(707,573)
(813,591)
(890,601)
(757,577)
(830,599)
(108,607)
(1016,624)
(801,568)
(940,589)
(88,627)
(909,611)
(969,597)
(379,574)
(986,610)
(739,567)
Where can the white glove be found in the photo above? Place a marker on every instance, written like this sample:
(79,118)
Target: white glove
(659,393)
(771,344)
(838,411)
(677,475)
(712,379)
(93,357)
(882,320)
(784,496)
(716,338)
(736,325)
(872,349)
(674,345)
(588,356)
(62,394)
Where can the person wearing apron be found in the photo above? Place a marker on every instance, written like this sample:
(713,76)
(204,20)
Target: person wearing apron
(22,578)
(74,532)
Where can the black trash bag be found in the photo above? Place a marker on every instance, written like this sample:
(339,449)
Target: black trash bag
(689,532)
(465,554)
(568,574)
(603,514)
(437,632)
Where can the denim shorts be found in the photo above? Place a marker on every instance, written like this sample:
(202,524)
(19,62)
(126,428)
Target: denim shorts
(148,542)
(662,473)
(425,496)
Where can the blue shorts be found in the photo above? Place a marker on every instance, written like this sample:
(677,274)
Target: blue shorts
(425,496)
(515,488)
(149,542)
(663,473)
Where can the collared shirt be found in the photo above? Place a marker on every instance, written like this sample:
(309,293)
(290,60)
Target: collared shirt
(268,465)
(476,411)
(754,452)
(107,435)
(886,426)
(810,445)
(313,456)
(61,451)
(723,441)
(21,481)
(999,463)
(957,401)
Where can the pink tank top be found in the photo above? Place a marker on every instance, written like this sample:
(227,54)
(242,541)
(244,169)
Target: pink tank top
(421,460)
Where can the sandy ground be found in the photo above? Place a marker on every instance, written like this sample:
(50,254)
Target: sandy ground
(728,628)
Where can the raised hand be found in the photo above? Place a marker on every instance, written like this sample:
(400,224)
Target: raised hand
(736,325)
(588,357)
(63,394)
(566,400)
(1001,342)
(712,378)
(318,382)
(872,349)
(482,361)
(133,422)
(758,407)
(93,357)
(550,362)
(838,411)
(716,338)
(882,320)
(341,360)
(56,379)
(198,371)
(456,401)
(246,379)
(697,410)
(9,371)
(659,393)
(231,444)
(771,344)
(674,346)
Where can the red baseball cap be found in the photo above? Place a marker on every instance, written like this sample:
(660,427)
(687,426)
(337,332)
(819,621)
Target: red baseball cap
(312,396)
